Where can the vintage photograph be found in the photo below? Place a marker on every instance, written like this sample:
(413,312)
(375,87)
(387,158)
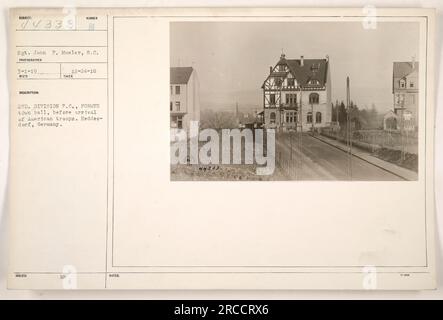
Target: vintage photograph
(301,155)
(294,101)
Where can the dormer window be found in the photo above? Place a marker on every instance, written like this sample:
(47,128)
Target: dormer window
(291,82)
(315,67)
(314,82)
(411,84)
(402,83)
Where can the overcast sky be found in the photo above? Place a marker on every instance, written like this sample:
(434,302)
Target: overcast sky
(232,59)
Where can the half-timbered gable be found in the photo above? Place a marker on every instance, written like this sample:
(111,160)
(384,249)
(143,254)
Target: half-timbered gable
(292,89)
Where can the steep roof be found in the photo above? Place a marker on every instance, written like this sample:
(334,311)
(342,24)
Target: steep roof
(312,69)
(402,69)
(180,75)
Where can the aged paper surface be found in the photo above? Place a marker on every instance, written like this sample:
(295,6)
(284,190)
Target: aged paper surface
(296,151)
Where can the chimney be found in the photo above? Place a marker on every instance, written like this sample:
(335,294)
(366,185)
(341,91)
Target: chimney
(270,69)
(302,61)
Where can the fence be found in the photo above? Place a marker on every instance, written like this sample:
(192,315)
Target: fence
(374,139)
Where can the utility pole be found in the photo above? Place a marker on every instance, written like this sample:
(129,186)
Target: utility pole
(349,128)
(402,127)
(336,119)
(236,114)
(300,134)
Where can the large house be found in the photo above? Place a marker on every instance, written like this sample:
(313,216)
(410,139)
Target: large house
(184,104)
(297,94)
(404,115)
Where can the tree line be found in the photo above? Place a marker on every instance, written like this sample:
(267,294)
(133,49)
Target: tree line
(360,118)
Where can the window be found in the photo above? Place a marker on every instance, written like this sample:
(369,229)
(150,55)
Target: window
(309,117)
(291,82)
(272,117)
(177,89)
(314,82)
(399,99)
(177,106)
(177,122)
(291,98)
(313,98)
(318,117)
(272,98)
(170,106)
(281,68)
(411,84)
(290,117)
(278,82)
(402,83)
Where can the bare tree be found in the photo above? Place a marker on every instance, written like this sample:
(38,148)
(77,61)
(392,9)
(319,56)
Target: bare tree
(218,119)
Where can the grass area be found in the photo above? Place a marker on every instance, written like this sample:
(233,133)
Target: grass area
(222,172)
(410,160)
(391,153)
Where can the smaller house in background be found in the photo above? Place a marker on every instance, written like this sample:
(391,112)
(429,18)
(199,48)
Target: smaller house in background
(390,121)
(404,115)
(184,103)
(251,121)
(393,121)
